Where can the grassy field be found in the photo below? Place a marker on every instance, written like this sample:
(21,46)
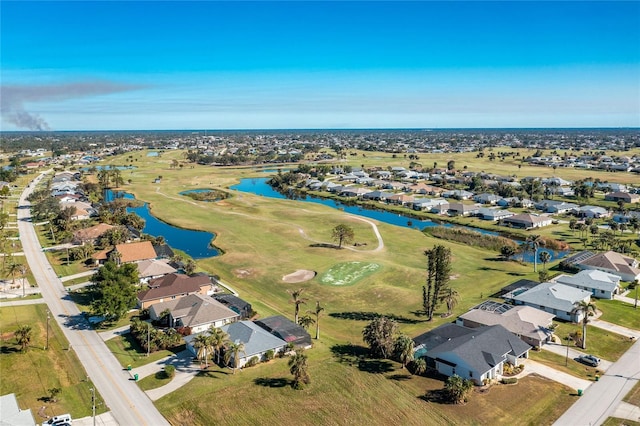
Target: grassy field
(29,375)
(348,273)
(633,397)
(613,421)
(154,381)
(620,313)
(556,361)
(265,239)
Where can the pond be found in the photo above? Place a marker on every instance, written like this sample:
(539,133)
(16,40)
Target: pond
(100,168)
(196,244)
(259,186)
(152,154)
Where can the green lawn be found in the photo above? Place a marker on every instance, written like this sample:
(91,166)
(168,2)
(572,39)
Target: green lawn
(633,397)
(29,375)
(614,421)
(82,298)
(601,343)
(344,274)
(620,313)
(154,381)
(558,362)
(129,352)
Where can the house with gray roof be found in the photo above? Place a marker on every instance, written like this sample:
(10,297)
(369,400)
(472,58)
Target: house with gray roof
(557,299)
(529,324)
(477,354)
(602,285)
(625,267)
(256,340)
(12,415)
(287,330)
(195,311)
(595,212)
(493,214)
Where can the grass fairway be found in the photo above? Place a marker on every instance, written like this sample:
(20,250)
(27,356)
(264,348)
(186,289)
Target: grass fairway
(29,375)
(350,273)
(264,239)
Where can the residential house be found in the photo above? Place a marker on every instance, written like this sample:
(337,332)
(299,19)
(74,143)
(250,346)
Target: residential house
(459,209)
(236,304)
(614,263)
(527,221)
(12,415)
(557,299)
(458,194)
(401,199)
(494,214)
(134,252)
(477,354)
(286,330)
(91,234)
(150,269)
(377,195)
(256,340)
(425,204)
(353,191)
(195,311)
(602,285)
(486,198)
(559,207)
(174,286)
(622,196)
(593,212)
(531,325)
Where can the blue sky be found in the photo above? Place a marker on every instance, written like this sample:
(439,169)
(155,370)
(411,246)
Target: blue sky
(272,65)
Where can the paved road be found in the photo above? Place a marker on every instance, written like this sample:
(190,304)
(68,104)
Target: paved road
(604,396)
(128,404)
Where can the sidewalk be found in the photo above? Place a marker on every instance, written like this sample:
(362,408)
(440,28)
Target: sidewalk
(80,275)
(614,328)
(626,299)
(106,335)
(627,411)
(104,419)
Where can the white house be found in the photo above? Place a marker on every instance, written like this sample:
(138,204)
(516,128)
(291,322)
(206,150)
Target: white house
(602,285)
(557,299)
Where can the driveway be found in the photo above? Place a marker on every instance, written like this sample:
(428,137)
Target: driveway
(573,354)
(185,371)
(614,328)
(531,366)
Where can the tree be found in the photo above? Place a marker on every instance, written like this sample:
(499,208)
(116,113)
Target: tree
(572,225)
(506,251)
(202,344)
(317,311)
(450,298)
(533,242)
(233,352)
(544,258)
(306,321)
(13,268)
(53,392)
(438,272)
(297,301)
(543,276)
(404,349)
(451,165)
(190,267)
(23,334)
(342,234)
(298,367)
(219,340)
(458,389)
(114,290)
(380,335)
(586,309)
(419,366)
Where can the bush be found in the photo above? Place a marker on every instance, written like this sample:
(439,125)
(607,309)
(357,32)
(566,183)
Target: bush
(471,238)
(269,355)
(252,362)
(510,380)
(170,371)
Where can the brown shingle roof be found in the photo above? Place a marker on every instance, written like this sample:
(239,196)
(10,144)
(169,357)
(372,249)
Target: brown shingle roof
(91,233)
(196,309)
(133,252)
(173,285)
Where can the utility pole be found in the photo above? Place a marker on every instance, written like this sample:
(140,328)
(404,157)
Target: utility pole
(93,405)
(148,339)
(46,347)
(566,359)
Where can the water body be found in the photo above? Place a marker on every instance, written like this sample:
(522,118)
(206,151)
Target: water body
(100,168)
(259,186)
(196,244)
(152,154)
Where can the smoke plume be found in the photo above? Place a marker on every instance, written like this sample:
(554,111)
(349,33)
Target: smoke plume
(13,99)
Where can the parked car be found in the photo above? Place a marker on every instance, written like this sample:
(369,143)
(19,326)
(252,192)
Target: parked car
(589,360)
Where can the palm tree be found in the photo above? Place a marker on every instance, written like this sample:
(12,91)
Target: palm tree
(317,311)
(202,343)
(544,258)
(298,367)
(297,300)
(23,336)
(218,341)
(404,349)
(419,366)
(451,298)
(12,269)
(585,308)
(233,351)
(534,242)
(306,321)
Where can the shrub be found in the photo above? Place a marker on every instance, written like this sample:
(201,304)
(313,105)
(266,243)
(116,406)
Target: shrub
(170,371)
(510,380)
(269,355)
(252,362)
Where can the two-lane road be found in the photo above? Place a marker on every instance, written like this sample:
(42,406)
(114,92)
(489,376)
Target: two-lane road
(128,404)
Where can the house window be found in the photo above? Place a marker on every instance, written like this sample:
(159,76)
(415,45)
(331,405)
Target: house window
(173,297)
(453,371)
(470,373)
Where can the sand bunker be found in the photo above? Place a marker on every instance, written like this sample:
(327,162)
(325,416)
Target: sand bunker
(299,276)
